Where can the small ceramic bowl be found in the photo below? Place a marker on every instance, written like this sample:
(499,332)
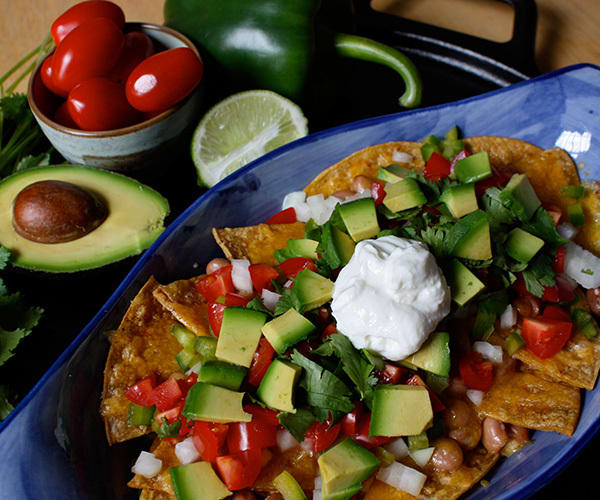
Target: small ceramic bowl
(129,150)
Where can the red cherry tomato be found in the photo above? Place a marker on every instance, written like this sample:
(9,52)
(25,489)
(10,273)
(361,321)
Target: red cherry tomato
(233,299)
(261,275)
(558,264)
(208,438)
(377,192)
(136,48)
(476,372)
(46,75)
(90,50)
(100,104)
(391,374)
(63,117)
(436,403)
(264,415)
(240,470)
(291,267)
(140,393)
(437,167)
(287,216)
(164,79)
(546,337)
(263,357)
(252,435)
(350,421)
(556,312)
(215,317)
(166,394)
(84,11)
(322,435)
(216,284)
(362,436)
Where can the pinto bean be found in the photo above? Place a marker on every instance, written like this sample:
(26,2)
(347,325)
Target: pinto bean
(593,298)
(462,424)
(361,183)
(344,193)
(518,433)
(494,435)
(243,495)
(215,264)
(527,307)
(447,455)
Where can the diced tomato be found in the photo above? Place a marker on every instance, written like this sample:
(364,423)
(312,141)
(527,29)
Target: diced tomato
(322,435)
(287,216)
(216,284)
(461,155)
(391,374)
(186,383)
(251,435)
(551,294)
(239,470)
(140,393)
(166,394)
(261,275)
(497,179)
(362,436)
(566,291)
(436,168)
(330,329)
(186,426)
(172,414)
(265,415)
(546,337)
(377,192)
(350,421)
(555,312)
(233,299)
(263,357)
(208,438)
(555,212)
(291,267)
(558,264)
(436,403)
(476,372)
(215,317)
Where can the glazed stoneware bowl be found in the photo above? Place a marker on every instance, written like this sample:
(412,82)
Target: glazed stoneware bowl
(127,150)
(53,444)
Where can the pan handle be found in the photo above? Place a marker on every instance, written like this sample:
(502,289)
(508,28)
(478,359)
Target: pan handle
(517,53)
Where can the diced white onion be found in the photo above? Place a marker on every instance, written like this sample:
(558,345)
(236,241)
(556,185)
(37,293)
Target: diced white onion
(402,478)
(582,266)
(317,495)
(307,445)
(147,465)
(398,448)
(288,284)
(489,351)
(365,193)
(567,230)
(318,483)
(269,299)
(421,457)
(293,199)
(509,317)
(195,368)
(315,207)
(285,440)
(401,157)
(240,275)
(476,397)
(186,452)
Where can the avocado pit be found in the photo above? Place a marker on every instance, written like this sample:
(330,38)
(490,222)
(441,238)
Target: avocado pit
(52,211)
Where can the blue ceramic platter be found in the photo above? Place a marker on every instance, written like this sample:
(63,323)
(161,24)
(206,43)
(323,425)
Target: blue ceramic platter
(53,444)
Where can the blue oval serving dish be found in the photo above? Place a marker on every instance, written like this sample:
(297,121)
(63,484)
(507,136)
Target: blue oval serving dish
(53,444)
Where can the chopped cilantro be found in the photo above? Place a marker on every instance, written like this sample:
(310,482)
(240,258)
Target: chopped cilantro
(256,305)
(5,405)
(288,300)
(498,214)
(539,274)
(543,226)
(588,271)
(297,423)
(168,430)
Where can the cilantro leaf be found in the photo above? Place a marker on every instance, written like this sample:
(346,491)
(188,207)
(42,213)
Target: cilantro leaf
(312,231)
(5,405)
(488,309)
(297,423)
(17,319)
(31,161)
(542,225)
(539,274)
(256,305)
(288,300)
(168,430)
(498,214)
(434,237)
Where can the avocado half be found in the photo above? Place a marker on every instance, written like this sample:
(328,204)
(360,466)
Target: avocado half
(135,218)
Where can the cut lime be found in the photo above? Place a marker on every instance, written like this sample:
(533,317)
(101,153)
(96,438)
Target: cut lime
(240,129)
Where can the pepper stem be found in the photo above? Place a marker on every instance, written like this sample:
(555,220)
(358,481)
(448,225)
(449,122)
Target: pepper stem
(358,47)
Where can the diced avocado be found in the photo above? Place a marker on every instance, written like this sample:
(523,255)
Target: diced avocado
(312,289)
(186,358)
(276,389)
(464,285)
(410,406)
(574,192)
(392,173)
(206,347)
(287,330)
(522,246)
(513,343)
(470,237)
(460,199)
(519,196)
(222,374)
(337,246)
(197,481)
(184,336)
(431,144)
(214,404)
(289,488)
(434,355)
(344,494)
(584,322)
(345,465)
(303,248)
(240,333)
(418,441)
(576,215)
(473,168)
(403,195)
(360,218)
(140,415)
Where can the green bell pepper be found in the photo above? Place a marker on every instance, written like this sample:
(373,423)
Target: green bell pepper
(289,47)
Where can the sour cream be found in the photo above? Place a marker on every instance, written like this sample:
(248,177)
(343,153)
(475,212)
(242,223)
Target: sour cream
(390,296)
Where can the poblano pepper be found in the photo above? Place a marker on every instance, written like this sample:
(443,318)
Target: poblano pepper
(285,46)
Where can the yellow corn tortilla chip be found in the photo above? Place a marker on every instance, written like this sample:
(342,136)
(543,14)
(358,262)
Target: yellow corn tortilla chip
(296,461)
(142,345)
(256,243)
(163,449)
(529,401)
(589,235)
(184,302)
(155,495)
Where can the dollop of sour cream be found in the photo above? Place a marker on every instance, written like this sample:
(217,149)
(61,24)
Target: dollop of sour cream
(390,296)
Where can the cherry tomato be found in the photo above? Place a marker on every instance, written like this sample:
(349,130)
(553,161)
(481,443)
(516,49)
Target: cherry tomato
(46,75)
(476,372)
(264,415)
(164,79)
(233,299)
(140,393)
(186,383)
(100,104)
(545,337)
(263,357)
(90,50)
(436,403)
(377,192)
(261,275)
(350,421)
(291,267)
(240,470)
(215,317)
(208,438)
(391,374)
(287,216)
(166,395)
(63,117)
(362,436)
(558,264)
(436,168)
(330,329)
(82,12)
(322,435)
(252,435)
(136,48)
(555,312)
(216,284)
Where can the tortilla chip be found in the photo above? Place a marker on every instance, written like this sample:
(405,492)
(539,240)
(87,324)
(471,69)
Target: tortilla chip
(155,495)
(184,302)
(363,162)
(383,491)
(296,461)
(140,346)
(529,401)
(589,235)
(163,449)
(256,243)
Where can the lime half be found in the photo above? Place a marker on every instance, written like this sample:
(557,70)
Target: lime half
(240,129)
